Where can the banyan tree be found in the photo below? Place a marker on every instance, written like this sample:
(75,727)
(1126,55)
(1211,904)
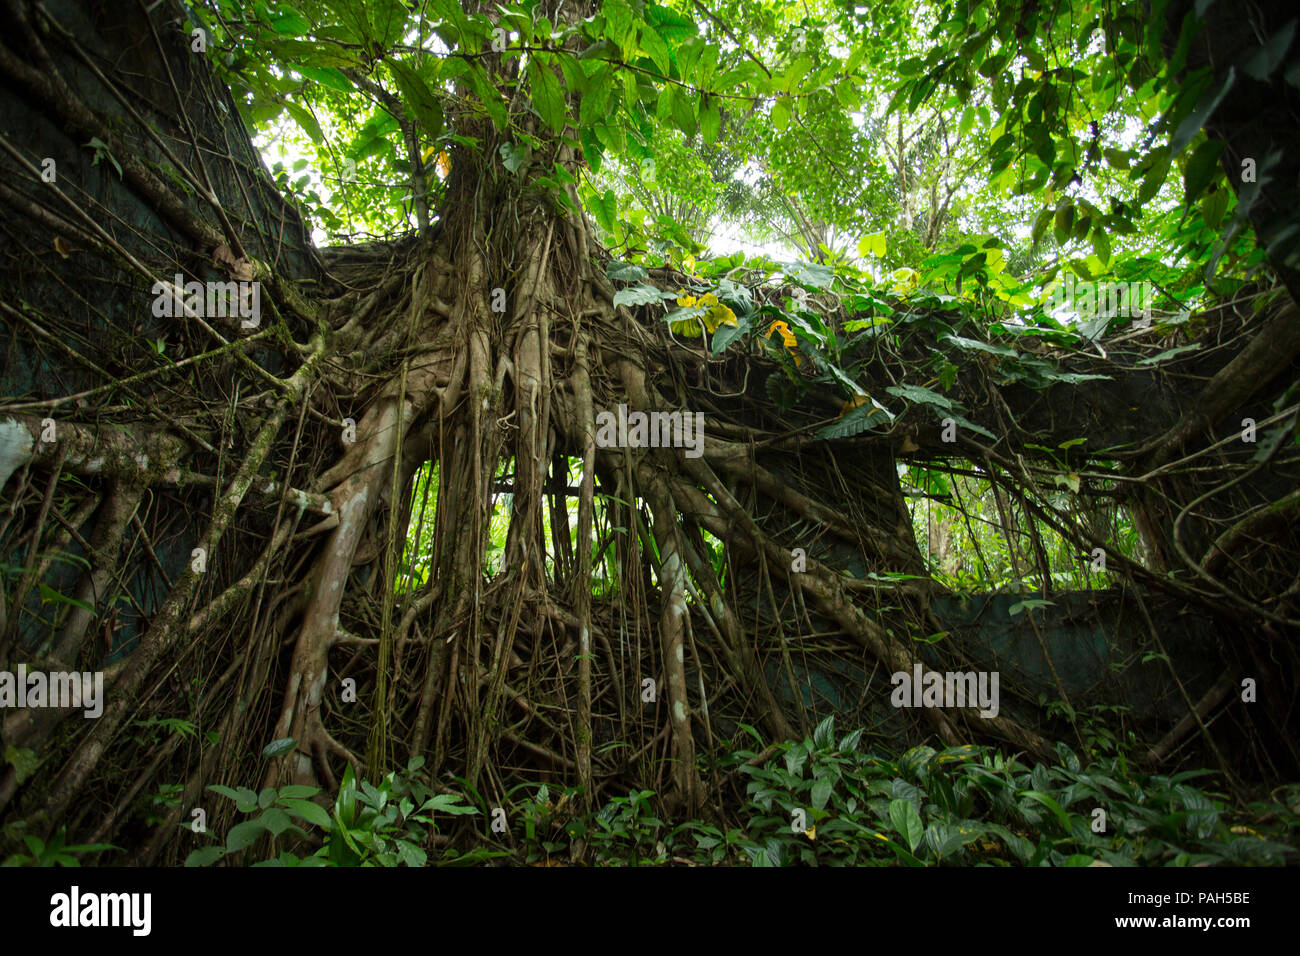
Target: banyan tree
(309,505)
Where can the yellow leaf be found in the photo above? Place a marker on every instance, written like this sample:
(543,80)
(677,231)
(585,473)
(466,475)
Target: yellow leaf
(444,165)
(428,151)
(786,335)
(718,314)
(787,338)
(686,301)
(811,833)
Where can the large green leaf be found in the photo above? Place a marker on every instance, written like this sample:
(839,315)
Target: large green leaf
(245,799)
(654,47)
(1202,168)
(327,76)
(244,834)
(303,117)
(625,271)
(640,294)
(710,118)
(821,793)
(618,19)
(279,747)
(907,822)
(916,393)
(1209,102)
(548,97)
(417,96)
(674,27)
(858,420)
(308,811)
(205,855)
(1050,802)
(780,115)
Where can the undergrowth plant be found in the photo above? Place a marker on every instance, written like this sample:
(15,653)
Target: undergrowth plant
(821,801)
(826,802)
(390,824)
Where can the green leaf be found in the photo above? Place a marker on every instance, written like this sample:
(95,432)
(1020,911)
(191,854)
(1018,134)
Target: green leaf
(915,393)
(327,76)
(858,420)
(592,108)
(1201,169)
(683,112)
(58,597)
(821,793)
(1101,243)
(907,822)
(653,45)
(244,835)
(277,748)
(1213,207)
(872,245)
(780,115)
(290,24)
(1169,353)
(1064,223)
(710,118)
(674,27)
(605,209)
(450,803)
(411,854)
(297,791)
(725,335)
(266,797)
(1153,180)
(205,856)
(513,156)
(686,321)
(101,150)
(795,73)
(639,294)
(548,97)
(417,95)
(245,799)
(1057,810)
(618,18)
(824,734)
(308,811)
(814,274)
(275,820)
(1030,604)
(303,117)
(625,271)
(1198,117)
